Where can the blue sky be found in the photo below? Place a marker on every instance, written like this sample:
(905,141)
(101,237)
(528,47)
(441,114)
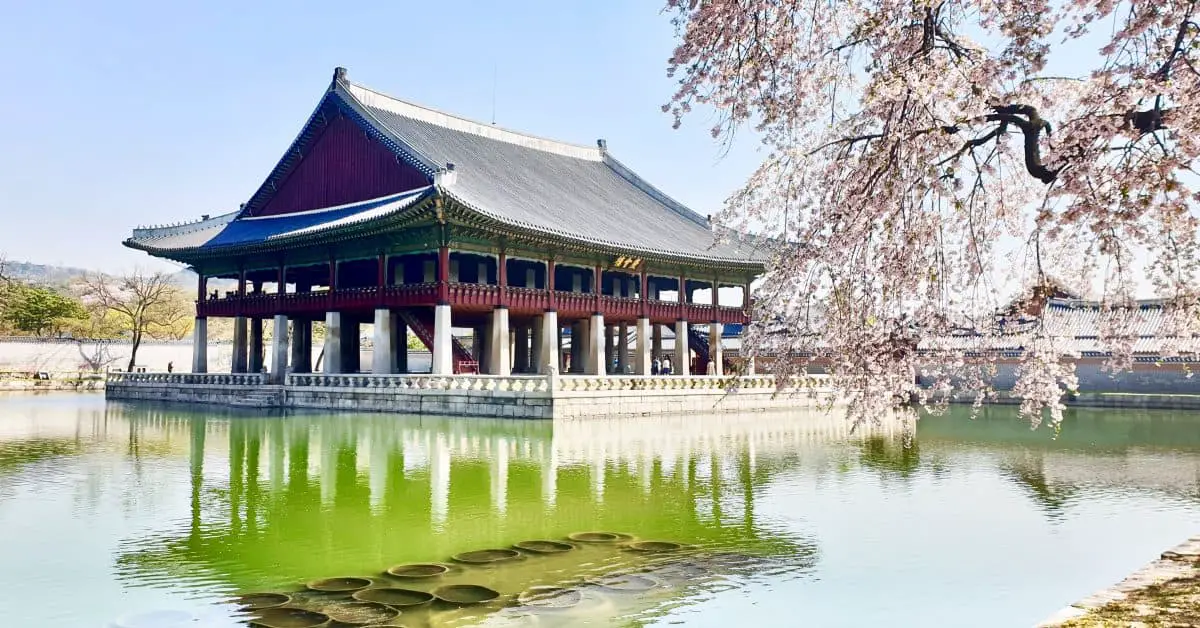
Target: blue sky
(127,113)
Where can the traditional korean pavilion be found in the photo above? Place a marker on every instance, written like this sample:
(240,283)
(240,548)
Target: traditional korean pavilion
(386,212)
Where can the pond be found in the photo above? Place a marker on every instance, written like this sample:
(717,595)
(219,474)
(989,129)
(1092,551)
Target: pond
(124,515)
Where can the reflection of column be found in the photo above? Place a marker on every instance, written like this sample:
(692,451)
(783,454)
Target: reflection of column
(196,458)
(378,467)
(499,475)
(329,459)
(237,471)
(439,479)
(597,473)
(550,477)
(278,455)
(647,462)
(253,467)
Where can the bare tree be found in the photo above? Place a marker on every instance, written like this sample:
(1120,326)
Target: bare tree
(148,302)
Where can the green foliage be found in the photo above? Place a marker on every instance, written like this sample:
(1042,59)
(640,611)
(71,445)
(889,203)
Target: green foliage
(36,310)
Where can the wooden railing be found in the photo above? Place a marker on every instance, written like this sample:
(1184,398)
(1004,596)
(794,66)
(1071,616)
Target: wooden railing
(470,295)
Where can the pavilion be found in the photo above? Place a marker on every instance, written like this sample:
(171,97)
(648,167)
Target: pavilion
(386,212)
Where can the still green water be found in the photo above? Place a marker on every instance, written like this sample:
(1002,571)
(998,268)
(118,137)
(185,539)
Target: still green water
(114,515)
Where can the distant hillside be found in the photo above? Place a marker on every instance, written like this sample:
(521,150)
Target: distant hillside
(49,275)
(42,274)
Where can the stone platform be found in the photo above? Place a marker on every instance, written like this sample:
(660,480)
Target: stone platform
(1165,592)
(519,397)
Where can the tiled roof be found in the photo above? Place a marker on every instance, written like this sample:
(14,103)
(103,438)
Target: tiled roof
(231,230)
(549,186)
(560,190)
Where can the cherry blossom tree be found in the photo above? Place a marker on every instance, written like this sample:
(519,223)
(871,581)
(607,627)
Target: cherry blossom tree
(909,140)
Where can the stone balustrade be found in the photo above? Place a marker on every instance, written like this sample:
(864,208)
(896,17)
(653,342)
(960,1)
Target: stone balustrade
(501,383)
(617,383)
(201,379)
(517,396)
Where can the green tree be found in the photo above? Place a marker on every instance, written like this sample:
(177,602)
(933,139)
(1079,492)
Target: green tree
(38,310)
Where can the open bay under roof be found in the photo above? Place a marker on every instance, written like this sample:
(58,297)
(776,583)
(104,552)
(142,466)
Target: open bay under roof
(365,160)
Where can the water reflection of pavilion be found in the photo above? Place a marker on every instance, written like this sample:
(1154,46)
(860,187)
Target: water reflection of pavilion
(275,501)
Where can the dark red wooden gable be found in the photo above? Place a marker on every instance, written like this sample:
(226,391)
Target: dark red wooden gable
(342,165)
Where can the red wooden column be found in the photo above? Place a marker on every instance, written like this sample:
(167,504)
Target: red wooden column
(281,286)
(443,276)
(550,284)
(381,280)
(683,298)
(502,279)
(645,294)
(241,291)
(597,283)
(332,278)
(715,282)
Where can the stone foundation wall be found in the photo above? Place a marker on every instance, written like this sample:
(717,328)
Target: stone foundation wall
(530,397)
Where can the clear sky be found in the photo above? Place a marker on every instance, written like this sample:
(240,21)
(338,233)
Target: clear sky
(123,113)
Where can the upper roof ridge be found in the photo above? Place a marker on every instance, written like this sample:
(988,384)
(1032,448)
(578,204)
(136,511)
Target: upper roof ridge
(379,100)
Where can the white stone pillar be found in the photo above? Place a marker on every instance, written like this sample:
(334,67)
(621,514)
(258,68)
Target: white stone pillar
(715,350)
(597,358)
(750,366)
(333,343)
(255,364)
(279,349)
(549,340)
(521,358)
(200,345)
(382,355)
(578,346)
(641,364)
(301,340)
(535,346)
(499,359)
(443,361)
(622,348)
(399,344)
(240,351)
(681,362)
(610,347)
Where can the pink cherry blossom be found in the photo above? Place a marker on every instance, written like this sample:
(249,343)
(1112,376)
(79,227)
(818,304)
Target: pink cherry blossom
(908,141)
